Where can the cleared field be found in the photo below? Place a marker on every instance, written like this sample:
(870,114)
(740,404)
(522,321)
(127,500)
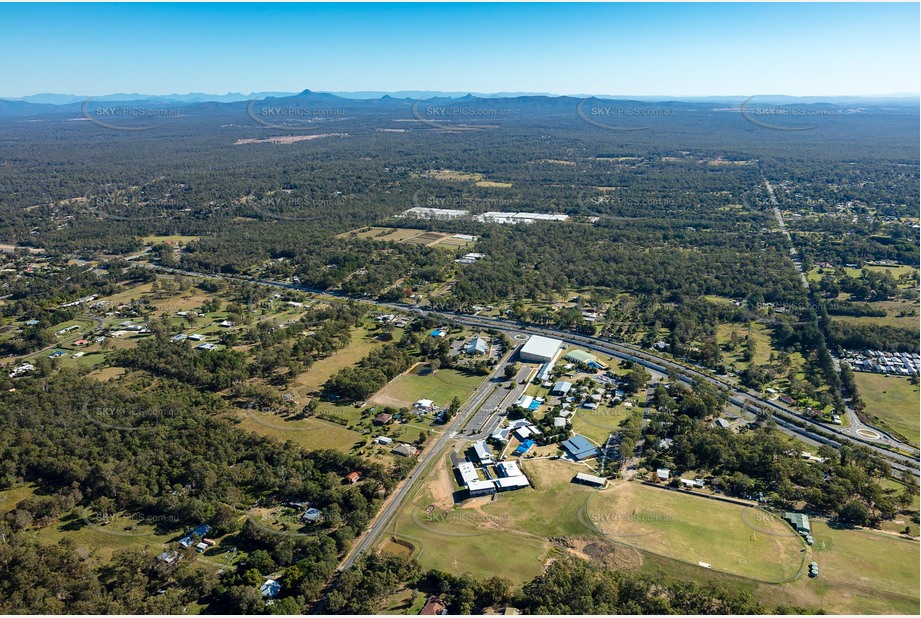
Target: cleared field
(419,383)
(452,176)
(426,238)
(363,341)
(493,184)
(758,332)
(732,538)
(9,498)
(860,572)
(107,373)
(441,240)
(894,400)
(309,433)
(174,239)
(477,538)
(122,532)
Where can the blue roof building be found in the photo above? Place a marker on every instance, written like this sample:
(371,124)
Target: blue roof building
(579,448)
(524,447)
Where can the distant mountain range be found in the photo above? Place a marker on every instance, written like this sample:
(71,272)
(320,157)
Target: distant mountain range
(231,97)
(73,106)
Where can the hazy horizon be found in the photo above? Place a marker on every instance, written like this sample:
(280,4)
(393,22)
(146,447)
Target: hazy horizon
(840,49)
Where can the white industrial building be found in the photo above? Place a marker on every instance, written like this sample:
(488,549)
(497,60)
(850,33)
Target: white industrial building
(421,212)
(540,349)
(519,217)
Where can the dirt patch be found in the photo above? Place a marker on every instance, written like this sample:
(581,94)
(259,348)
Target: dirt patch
(386,400)
(609,554)
(441,489)
(108,373)
(286,139)
(398,547)
(427,238)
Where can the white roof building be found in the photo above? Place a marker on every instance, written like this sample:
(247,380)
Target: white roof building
(421,212)
(477,346)
(540,349)
(590,479)
(525,401)
(512,482)
(478,488)
(482,451)
(467,472)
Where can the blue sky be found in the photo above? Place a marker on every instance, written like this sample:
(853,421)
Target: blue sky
(618,49)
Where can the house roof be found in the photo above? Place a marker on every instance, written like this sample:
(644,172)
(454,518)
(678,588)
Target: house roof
(434,607)
(477,346)
(404,449)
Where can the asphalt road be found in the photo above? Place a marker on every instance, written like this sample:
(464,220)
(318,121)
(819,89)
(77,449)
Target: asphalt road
(395,500)
(642,357)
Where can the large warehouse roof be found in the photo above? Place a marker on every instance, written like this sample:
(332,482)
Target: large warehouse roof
(540,349)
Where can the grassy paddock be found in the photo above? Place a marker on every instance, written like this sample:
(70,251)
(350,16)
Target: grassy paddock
(893,399)
(441,387)
(732,538)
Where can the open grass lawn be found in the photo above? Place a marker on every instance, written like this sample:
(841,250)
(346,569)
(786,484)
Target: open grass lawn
(176,238)
(363,341)
(481,536)
(90,359)
(9,498)
(761,336)
(732,538)
(107,373)
(420,383)
(860,572)
(894,400)
(597,424)
(309,433)
(405,602)
(122,532)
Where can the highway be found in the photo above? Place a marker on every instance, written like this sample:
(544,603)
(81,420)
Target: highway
(899,461)
(688,374)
